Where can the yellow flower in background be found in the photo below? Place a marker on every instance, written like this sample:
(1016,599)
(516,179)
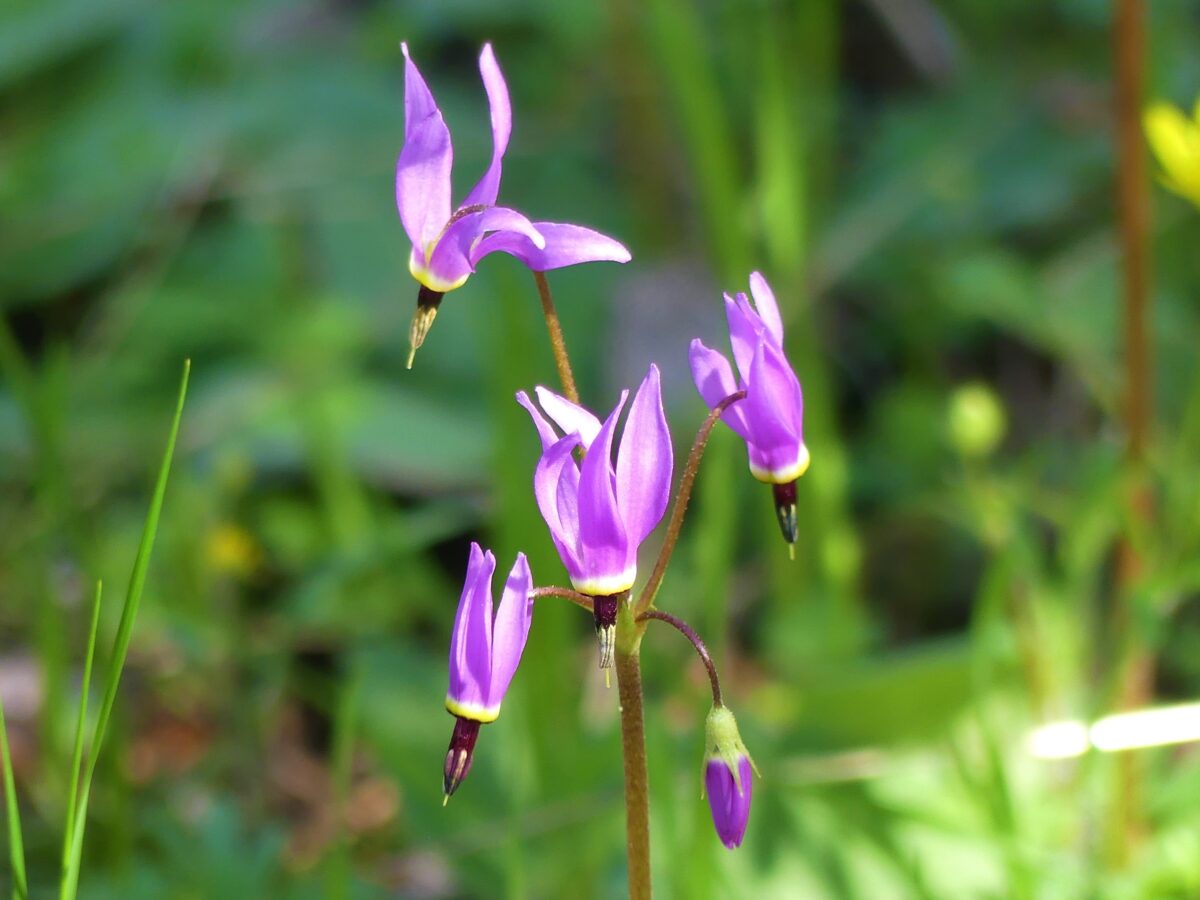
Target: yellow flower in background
(1175,139)
(233,550)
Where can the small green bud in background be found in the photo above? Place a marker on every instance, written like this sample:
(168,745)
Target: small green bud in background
(976,420)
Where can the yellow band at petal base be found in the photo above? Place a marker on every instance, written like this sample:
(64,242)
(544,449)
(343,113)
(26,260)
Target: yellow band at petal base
(473,711)
(430,280)
(787,474)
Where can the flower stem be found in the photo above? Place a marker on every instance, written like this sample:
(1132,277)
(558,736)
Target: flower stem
(566,593)
(681,502)
(702,651)
(633,750)
(557,345)
(1135,663)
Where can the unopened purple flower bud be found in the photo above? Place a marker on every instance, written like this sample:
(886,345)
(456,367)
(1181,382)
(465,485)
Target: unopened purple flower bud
(728,777)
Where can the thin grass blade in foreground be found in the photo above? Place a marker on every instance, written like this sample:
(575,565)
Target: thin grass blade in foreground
(137,580)
(77,753)
(16,846)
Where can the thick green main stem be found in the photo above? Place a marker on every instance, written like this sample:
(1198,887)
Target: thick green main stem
(633,748)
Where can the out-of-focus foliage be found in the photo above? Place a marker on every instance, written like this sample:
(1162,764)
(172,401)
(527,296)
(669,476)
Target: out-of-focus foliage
(928,185)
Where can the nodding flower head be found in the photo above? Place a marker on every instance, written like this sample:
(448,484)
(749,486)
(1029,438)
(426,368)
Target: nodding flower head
(447,240)
(771,417)
(599,512)
(728,781)
(483,654)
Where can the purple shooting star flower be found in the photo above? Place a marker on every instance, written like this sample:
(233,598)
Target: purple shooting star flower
(598,514)
(483,655)
(448,241)
(771,417)
(728,781)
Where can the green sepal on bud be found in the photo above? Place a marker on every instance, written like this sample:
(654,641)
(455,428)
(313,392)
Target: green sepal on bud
(723,743)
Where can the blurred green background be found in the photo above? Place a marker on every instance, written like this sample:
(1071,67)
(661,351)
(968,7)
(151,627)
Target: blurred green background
(928,186)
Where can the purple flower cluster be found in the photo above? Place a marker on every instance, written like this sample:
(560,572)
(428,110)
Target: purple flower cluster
(598,506)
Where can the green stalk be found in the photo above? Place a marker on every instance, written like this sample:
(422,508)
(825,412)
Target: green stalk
(633,752)
(16,846)
(133,596)
(77,753)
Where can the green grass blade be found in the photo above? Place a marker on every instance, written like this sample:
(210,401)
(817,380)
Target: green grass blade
(70,878)
(77,753)
(16,845)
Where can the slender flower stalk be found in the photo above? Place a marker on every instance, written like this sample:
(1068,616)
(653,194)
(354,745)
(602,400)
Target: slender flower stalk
(1135,661)
(682,498)
(558,344)
(581,600)
(697,643)
(449,241)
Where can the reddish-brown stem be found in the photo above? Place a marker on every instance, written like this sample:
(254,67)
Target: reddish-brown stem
(681,502)
(702,651)
(558,345)
(1135,661)
(565,593)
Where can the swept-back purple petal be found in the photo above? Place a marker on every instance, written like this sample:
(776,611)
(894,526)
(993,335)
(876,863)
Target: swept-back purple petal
(471,640)
(501,110)
(744,328)
(644,461)
(772,399)
(545,430)
(513,618)
(714,380)
(568,416)
(558,464)
(730,807)
(768,309)
(566,245)
(423,168)
(453,259)
(604,547)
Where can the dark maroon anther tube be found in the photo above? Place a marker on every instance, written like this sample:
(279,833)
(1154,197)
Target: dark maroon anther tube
(460,754)
(604,609)
(785,509)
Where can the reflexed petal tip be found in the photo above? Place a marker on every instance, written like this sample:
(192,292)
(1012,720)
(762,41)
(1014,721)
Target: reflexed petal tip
(511,629)
(471,641)
(605,553)
(423,167)
(644,461)
(486,191)
(565,245)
